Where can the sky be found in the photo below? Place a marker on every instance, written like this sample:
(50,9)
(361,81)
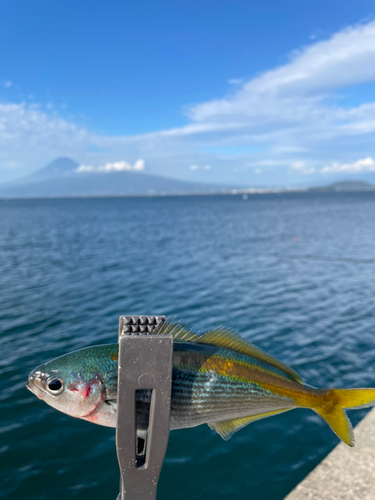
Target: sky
(245,93)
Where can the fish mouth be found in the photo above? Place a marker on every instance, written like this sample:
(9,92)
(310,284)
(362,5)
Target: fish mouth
(37,391)
(35,385)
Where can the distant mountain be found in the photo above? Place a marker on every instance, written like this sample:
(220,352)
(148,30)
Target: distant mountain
(62,167)
(60,178)
(57,168)
(346,186)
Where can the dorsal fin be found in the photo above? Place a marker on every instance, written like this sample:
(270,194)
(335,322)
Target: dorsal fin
(223,337)
(178,331)
(227,428)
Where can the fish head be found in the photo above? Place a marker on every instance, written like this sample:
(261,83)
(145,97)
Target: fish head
(68,386)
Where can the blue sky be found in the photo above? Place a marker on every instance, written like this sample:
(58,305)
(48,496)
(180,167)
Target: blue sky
(252,93)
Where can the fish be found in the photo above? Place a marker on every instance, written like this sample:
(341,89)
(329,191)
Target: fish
(218,378)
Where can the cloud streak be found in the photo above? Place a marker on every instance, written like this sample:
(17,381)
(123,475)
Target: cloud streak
(117,166)
(302,167)
(347,58)
(197,167)
(364,165)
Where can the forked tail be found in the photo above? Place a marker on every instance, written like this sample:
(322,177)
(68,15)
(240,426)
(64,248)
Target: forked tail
(332,410)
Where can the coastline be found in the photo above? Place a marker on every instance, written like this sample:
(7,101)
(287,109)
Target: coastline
(346,473)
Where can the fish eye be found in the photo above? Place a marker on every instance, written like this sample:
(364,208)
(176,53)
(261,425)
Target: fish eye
(55,386)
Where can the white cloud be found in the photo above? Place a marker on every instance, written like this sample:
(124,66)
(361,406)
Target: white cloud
(270,163)
(302,167)
(7,83)
(85,168)
(364,165)
(197,167)
(117,166)
(139,165)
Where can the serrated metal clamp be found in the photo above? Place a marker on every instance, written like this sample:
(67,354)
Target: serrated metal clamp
(145,363)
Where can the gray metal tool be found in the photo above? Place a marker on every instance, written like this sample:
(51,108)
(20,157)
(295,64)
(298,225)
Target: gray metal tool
(145,363)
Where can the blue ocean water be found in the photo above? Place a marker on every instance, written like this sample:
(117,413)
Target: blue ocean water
(293,273)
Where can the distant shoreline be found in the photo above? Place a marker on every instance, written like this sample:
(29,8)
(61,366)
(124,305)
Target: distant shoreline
(241,193)
(59,179)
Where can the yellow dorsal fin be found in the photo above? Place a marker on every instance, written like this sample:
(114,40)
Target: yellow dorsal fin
(223,337)
(227,428)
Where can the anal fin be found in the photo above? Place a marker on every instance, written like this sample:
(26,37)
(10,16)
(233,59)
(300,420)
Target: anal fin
(227,428)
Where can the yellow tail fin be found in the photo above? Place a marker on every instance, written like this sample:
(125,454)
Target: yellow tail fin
(332,409)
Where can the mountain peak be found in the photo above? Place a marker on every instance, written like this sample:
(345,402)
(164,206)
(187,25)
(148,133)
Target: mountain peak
(58,166)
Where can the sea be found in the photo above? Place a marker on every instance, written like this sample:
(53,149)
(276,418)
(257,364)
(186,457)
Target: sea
(294,273)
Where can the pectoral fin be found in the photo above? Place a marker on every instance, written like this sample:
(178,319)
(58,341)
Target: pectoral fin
(227,428)
(112,403)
